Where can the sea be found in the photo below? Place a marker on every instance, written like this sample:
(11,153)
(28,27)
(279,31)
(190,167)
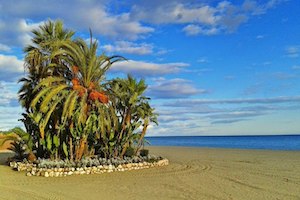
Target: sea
(278,142)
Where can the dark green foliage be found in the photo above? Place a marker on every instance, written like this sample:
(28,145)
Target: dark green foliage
(129,152)
(144,152)
(19,148)
(21,142)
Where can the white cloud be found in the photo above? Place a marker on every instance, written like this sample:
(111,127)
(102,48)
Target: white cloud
(260,37)
(114,26)
(16,32)
(274,100)
(200,17)
(8,93)
(258,9)
(4,48)
(284,75)
(141,68)
(173,12)
(174,88)
(89,14)
(129,47)
(192,29)
(9,117)
(202,60)
(10,67)
(292,51)
(10,64)
(196,18)
(215,116)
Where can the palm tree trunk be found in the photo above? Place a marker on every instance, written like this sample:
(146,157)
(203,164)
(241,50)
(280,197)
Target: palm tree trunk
(124,149)
(71,148)
(146,124)
(81,149)
(126,121)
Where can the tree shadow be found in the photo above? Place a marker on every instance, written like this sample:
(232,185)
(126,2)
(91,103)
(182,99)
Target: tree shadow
(4,156)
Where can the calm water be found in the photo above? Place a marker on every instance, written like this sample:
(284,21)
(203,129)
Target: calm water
(281,142)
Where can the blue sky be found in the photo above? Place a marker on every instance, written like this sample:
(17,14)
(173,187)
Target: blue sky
(213,67)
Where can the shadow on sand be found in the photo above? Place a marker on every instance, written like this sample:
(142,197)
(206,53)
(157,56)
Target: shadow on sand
(4,155)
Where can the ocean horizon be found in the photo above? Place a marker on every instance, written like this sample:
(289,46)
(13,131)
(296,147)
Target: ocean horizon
(267,142)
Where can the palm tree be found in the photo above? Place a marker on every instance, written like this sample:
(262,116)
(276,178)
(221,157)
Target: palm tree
(79,90)
(148,115)
(129,97)
(37,60)
(39,66)
(70,113)
(22,143)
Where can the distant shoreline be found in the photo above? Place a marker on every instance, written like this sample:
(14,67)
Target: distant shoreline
(220,148)
(162,136)
(278,142)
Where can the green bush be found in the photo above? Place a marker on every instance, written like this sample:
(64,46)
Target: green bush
(144,152)
(129,152)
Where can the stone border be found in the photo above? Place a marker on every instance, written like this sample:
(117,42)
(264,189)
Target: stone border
(33,170)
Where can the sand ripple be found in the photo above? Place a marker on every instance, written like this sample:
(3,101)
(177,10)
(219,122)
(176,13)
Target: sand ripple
(192,174)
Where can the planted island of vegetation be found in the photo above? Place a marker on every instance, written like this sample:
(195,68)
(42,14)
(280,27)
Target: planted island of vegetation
(76,121)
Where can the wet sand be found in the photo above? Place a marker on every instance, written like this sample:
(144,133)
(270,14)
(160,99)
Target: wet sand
(193,173)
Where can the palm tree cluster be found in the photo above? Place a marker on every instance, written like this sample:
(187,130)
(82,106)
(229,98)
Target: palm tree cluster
(71,111)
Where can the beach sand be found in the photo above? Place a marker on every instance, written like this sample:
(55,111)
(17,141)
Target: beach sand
(193,173)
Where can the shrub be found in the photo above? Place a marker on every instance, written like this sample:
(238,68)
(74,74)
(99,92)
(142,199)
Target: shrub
(129,152)
(144,152)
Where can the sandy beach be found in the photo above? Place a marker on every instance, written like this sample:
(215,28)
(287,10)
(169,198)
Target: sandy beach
(193,173)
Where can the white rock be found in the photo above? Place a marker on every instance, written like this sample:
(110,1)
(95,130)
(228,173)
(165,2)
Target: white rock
(51,174)
(119,167)
(129,165)
(111,167)
(56,174)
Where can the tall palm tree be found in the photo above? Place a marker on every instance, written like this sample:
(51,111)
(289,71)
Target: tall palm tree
(39,66)
(79,90)
(37,60)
